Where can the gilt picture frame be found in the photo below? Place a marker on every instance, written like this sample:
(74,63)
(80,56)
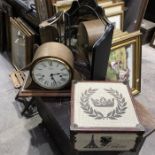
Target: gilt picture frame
(117,19)
(125,61)
(114,10)
(20,45)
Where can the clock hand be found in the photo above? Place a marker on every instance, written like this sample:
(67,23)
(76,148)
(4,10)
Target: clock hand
(41,78)
(60,74)
(53,79)
(56,74)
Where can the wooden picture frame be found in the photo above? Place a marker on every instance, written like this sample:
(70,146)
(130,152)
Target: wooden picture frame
(42,8)
(49,8)
(134,14)
(21,41)
(141,14)
(152,44)
(125,61)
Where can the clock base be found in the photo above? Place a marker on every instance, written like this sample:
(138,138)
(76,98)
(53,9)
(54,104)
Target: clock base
(31,89)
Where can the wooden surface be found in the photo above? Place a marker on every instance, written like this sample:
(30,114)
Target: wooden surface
(146,118)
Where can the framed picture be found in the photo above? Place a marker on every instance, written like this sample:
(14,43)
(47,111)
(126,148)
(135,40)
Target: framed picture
(152,44)
(113,10)
(125,61)
(21,44)
(117,19)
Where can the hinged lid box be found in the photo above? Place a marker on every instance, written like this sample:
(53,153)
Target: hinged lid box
(103,117)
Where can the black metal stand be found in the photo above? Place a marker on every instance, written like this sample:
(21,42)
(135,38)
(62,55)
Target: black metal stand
(29,109)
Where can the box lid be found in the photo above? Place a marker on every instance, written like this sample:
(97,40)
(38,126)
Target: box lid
(103,106)
(147,25)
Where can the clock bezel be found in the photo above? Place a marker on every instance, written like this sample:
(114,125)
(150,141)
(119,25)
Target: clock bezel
(67,66)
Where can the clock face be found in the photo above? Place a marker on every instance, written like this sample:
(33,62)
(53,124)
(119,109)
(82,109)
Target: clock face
(51,73)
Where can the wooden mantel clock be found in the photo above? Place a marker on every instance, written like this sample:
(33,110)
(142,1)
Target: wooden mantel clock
(52,66)
(50,72)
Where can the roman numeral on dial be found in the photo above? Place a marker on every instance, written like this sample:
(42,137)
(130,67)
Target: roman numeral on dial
(43,64)
(63,79)
(46,83)
(50,63)
(41,79)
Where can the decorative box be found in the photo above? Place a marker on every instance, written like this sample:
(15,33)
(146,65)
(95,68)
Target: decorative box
(103,118)
(153,41)
(147,29)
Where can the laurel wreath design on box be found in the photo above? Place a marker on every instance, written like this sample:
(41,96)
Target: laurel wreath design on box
(112,115)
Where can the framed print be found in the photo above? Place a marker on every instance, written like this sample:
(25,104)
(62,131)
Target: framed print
(21,44)
(111,7)
(114,11)
(125,61)
(152,44)
(117,19)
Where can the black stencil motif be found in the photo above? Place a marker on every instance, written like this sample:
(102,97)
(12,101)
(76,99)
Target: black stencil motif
(114,114)
(92,144)
(105,140)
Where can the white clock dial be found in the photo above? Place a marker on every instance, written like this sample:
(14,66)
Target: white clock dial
(51,74)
